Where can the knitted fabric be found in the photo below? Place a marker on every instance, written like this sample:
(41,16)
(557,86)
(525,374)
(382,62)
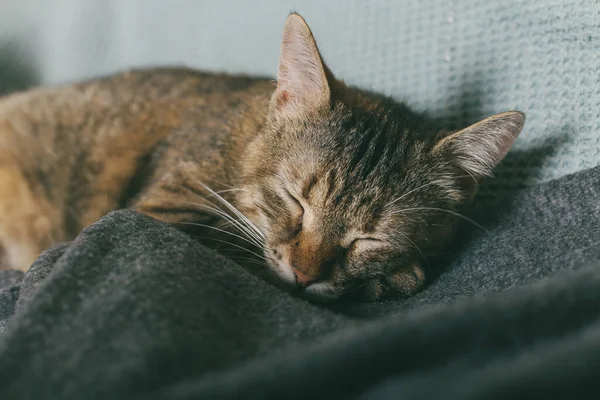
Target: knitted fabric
(461,60)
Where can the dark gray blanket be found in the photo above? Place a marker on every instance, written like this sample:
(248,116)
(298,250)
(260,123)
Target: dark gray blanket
(136,308)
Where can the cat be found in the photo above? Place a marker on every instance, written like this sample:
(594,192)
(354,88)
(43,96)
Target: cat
(329,189)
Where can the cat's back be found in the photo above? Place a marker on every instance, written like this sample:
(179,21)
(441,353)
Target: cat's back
(124,92)
(70,151)
(104,117)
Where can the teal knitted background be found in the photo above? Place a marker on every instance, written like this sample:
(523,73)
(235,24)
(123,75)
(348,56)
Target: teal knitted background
(459,59)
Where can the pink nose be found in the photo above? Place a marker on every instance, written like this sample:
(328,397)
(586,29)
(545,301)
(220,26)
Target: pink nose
(303,279)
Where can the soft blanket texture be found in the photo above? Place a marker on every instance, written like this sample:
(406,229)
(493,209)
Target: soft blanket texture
(134,308)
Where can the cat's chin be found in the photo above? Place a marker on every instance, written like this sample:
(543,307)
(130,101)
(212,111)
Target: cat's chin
(287,276)
(322,292)
(283,277)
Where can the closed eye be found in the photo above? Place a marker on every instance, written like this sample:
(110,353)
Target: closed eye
(365,243)
(294,200)
(298,214)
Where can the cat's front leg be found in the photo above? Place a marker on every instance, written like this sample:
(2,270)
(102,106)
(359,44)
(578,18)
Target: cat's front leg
(26,227)
(404,282)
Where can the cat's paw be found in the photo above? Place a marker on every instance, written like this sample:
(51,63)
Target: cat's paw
(405,282)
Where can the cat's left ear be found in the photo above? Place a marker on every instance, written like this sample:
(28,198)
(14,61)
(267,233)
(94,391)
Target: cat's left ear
(302,80)
(480,147)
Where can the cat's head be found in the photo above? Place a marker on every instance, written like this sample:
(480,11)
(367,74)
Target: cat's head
(352,190)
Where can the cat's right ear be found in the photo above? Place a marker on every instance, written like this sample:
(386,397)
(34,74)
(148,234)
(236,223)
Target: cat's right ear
(478,148)
(302,80)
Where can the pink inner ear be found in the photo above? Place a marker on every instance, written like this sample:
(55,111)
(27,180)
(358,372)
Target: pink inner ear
(301,82)
(283,97)
(505,128)
(504,146)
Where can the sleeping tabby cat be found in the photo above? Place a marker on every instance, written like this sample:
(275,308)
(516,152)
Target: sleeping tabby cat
(330,189)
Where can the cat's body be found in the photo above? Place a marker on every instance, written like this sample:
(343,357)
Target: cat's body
(71,154)
(321,173)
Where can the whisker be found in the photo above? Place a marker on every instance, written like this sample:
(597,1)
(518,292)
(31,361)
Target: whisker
(409,192)
(413,244)
(246,259)
(234,245)
(230,190)
(234,210)
(244,225)
(239,223)
(354,288)
(220,183)
(225,222)
(218,230)
(243,230)
(443,210)
(264,272)
(236,223)
(421,187)
(215,210)
(472,177)
(249,260)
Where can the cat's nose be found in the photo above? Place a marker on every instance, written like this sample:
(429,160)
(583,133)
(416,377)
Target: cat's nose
(303,279)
